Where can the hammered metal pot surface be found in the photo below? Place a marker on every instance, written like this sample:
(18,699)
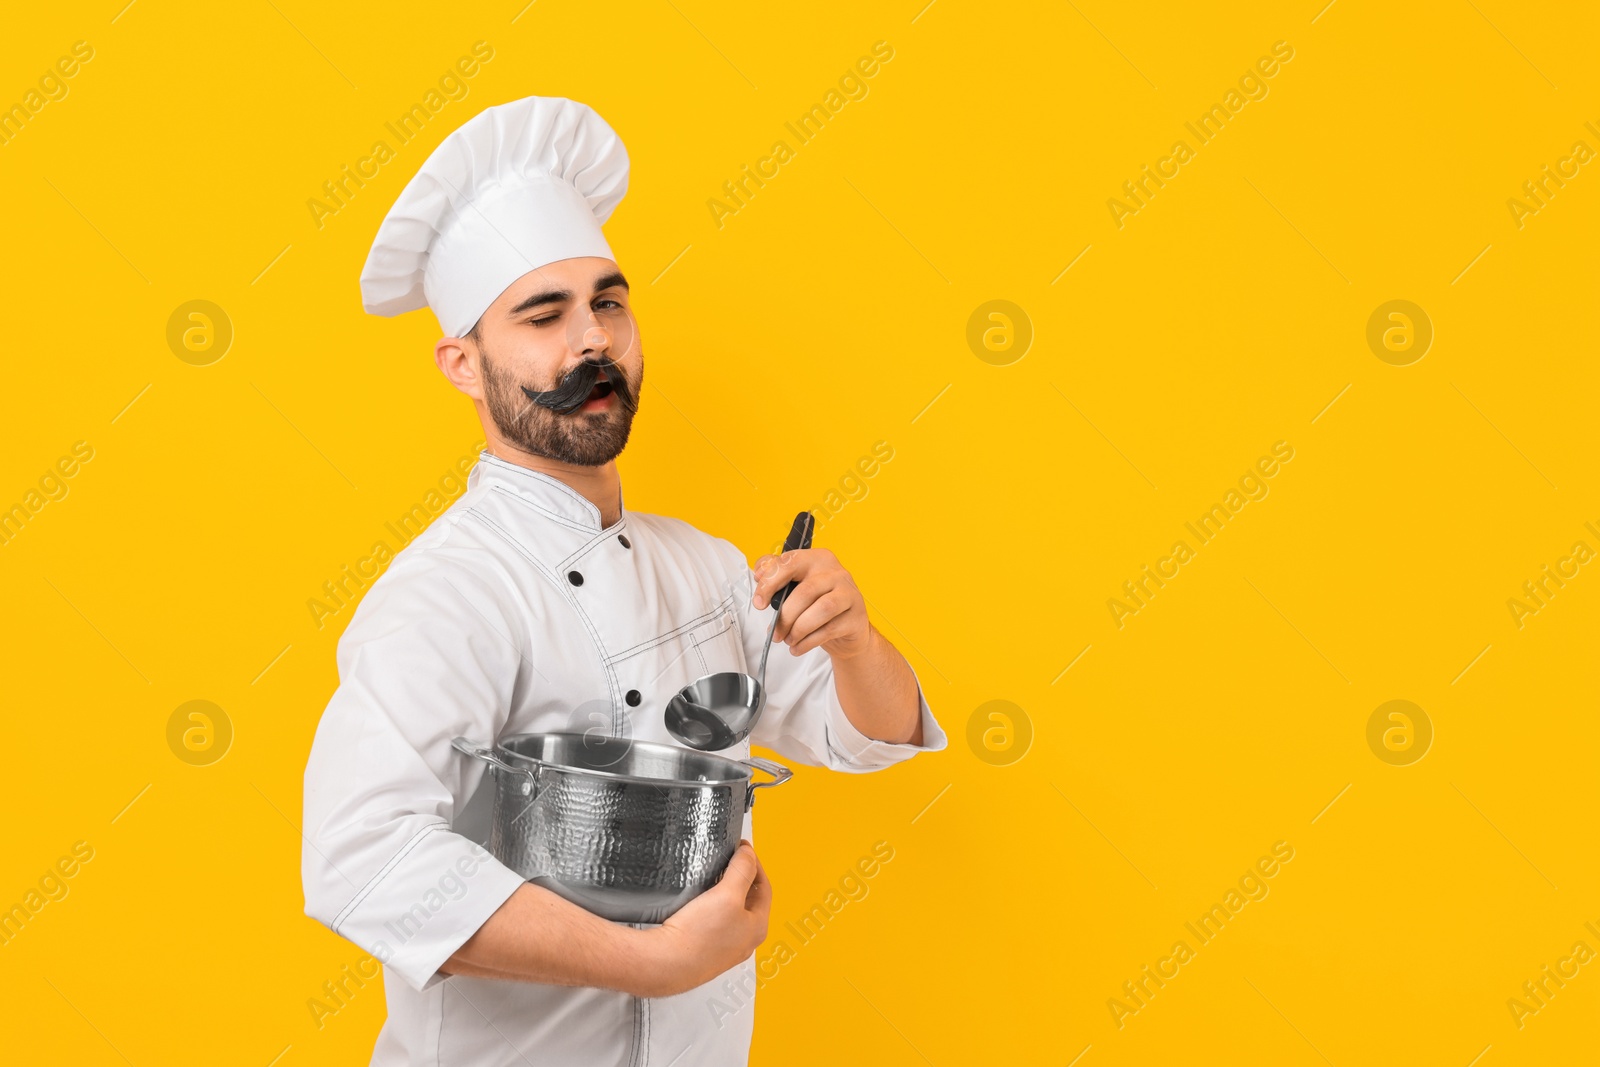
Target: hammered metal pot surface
(628,830)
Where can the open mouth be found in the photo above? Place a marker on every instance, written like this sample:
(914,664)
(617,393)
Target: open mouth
(588,387)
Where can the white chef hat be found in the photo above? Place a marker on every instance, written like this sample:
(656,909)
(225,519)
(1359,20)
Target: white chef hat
(517,186)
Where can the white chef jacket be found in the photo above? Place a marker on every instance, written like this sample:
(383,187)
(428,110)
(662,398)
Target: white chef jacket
(515,612)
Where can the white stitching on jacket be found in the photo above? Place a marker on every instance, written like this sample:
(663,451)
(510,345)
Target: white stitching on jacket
(372,884)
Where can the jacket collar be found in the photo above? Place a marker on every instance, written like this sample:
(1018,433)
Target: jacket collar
(550,494)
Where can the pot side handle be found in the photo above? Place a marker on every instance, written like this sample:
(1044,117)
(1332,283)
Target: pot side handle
(487,755)
(779,772)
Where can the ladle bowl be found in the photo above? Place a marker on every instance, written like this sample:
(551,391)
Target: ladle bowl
(717,711)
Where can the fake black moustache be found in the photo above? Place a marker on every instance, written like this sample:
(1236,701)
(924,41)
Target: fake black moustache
(579,382)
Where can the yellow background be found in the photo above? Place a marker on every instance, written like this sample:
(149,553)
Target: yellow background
(823,317)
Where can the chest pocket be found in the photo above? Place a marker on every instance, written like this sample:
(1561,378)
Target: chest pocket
(659,668)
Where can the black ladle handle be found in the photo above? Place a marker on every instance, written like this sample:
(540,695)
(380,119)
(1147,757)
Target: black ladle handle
(799,537)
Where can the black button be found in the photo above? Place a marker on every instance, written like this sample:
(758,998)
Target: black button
(632,698)
(624,539)
(574,577)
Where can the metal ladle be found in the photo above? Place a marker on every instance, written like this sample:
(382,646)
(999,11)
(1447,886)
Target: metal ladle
(719,710)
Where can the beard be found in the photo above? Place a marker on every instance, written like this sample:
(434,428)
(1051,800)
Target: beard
(546,423)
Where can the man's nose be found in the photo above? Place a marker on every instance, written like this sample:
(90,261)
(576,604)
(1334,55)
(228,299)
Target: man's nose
(595,337)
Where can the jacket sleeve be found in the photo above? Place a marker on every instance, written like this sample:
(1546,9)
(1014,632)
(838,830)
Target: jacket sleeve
(803,719)
(430,653)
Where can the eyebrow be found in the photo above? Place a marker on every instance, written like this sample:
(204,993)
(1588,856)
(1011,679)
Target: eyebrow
(560,296)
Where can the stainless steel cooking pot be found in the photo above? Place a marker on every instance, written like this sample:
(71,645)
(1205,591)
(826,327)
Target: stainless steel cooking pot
(629,830)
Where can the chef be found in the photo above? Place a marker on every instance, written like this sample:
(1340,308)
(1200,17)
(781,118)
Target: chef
(537,602)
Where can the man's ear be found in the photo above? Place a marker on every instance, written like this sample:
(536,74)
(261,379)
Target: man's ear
(457,358)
